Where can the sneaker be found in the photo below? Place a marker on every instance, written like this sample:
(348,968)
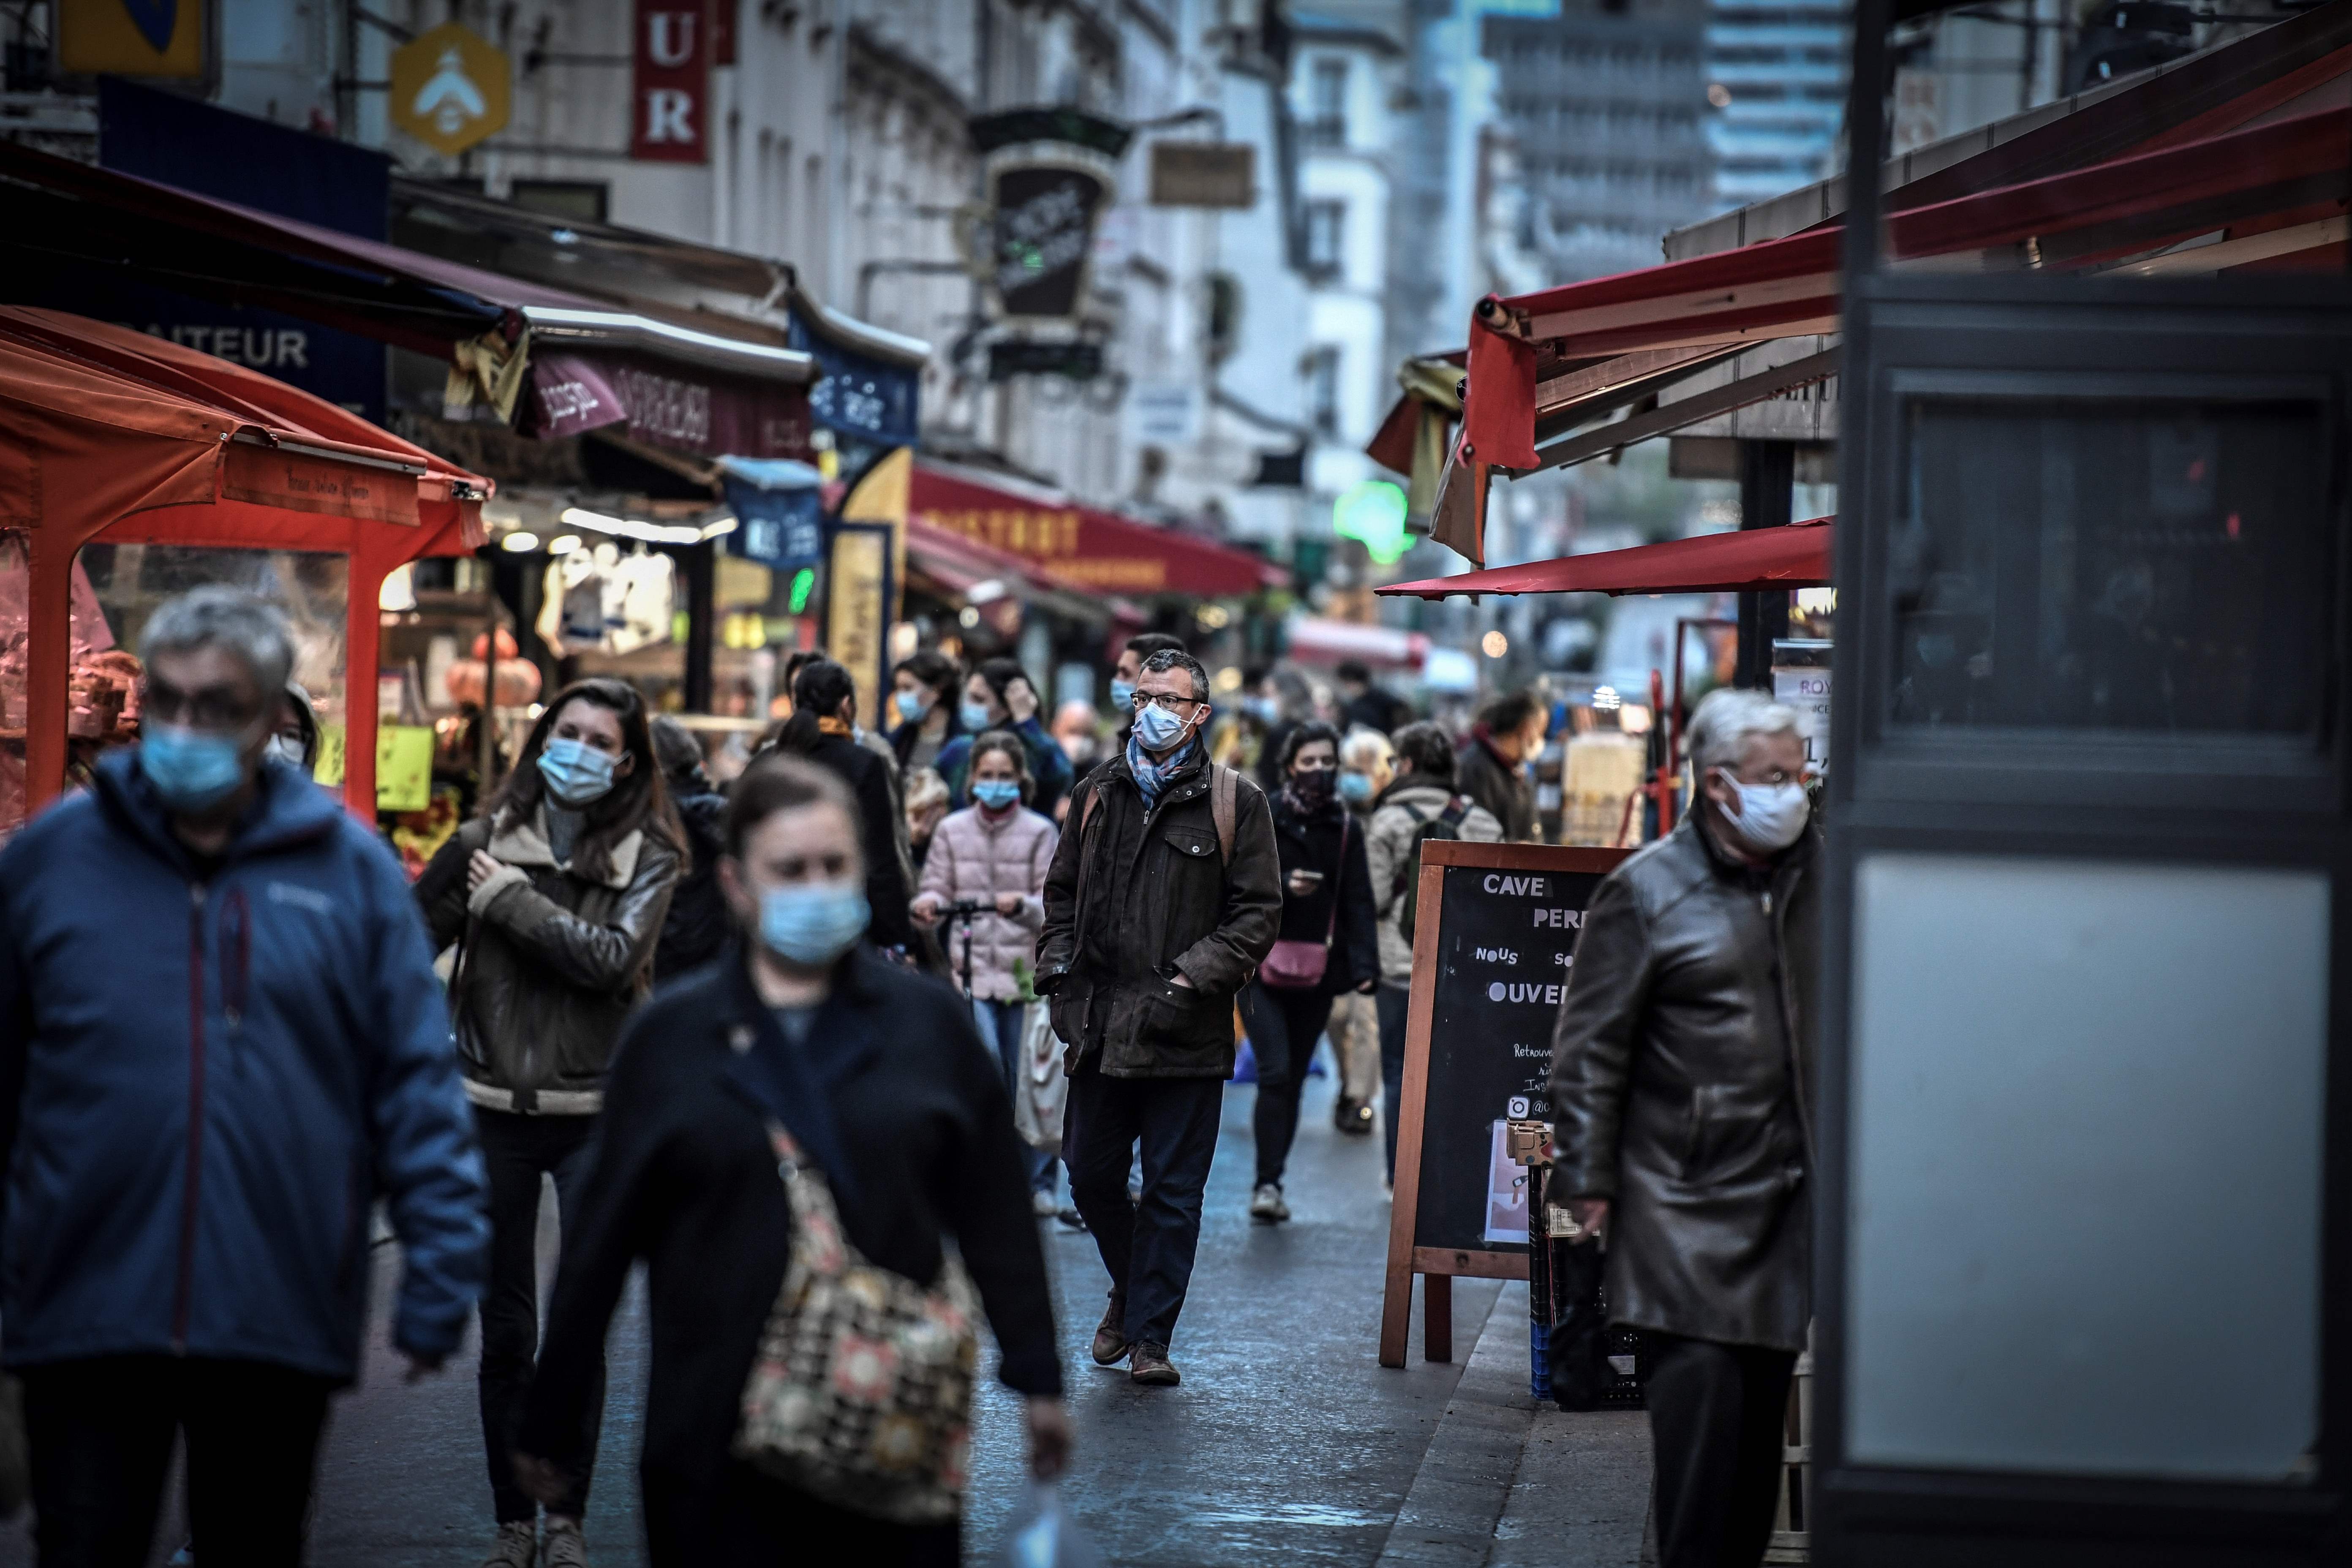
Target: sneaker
(565,1546)
(1042,1204)
(1266,1207)
(1110,1336)
(1353,1117)
(517,1546)
(1149,1366)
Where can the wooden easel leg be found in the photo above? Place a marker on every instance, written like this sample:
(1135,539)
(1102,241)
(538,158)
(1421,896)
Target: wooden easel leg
(1437,1317)
(1396,1317)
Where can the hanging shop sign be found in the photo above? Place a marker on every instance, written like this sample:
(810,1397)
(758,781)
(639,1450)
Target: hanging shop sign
(1071,361)
(670,84)
(451,88)
(1050,175)
(1204,175)
(779,512)
(130,37)
(864,578)
(858,394)
(666,406)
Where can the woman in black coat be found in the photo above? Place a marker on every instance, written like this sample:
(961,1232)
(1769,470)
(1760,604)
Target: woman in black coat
(1326,901)
(877,1073)
(823,728)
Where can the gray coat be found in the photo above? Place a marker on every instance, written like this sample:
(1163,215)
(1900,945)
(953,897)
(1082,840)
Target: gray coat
(1681,1086)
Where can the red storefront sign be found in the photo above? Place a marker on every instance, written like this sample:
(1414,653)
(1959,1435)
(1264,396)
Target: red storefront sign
(1101,550)
(669,405)
(670,86)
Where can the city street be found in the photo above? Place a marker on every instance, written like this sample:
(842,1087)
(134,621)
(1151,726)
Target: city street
(1287,1443)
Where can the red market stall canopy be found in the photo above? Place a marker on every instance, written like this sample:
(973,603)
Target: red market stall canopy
(557,363)
(116,435)
(1101,550)
(1794,555)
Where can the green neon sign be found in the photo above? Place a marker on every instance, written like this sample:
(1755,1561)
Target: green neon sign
(1373,513)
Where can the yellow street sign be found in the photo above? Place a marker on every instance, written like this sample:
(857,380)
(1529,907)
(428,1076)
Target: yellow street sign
(450,88)
(131,38)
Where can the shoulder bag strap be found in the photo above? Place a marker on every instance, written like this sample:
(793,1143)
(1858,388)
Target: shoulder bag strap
(1338,882)
(1225,786)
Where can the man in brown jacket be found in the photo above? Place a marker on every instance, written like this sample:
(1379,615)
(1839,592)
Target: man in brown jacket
(1163,898)
(1682,1120)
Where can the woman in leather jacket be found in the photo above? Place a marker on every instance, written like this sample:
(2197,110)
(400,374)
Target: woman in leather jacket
(1327,902)
(555,896)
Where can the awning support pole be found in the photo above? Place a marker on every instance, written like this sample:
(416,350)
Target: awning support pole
(1767,496)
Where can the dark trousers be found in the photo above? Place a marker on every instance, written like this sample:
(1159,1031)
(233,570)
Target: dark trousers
(1716,1414)
(741,1517)
(1147,1247)
(516,1149)
(1000,1025)
(101,1432)
(1392,1002)
(1282,1028)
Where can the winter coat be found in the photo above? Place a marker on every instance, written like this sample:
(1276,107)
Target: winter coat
(208,1072)
(1681,1086)
(1135,898)
(974,859)
(1049,766)
(1312,844)
(685,1178)
(696,926)
(883,829)
(550,964)
(1404,806)
(1501,787)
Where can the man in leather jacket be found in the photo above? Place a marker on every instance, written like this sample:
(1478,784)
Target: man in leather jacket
(1162,900)
(1681,1104)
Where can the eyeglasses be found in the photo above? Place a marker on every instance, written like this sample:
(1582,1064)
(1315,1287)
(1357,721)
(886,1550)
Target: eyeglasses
(212,709)
(1168,700)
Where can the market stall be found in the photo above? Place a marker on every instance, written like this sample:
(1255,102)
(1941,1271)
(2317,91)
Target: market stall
(122,439)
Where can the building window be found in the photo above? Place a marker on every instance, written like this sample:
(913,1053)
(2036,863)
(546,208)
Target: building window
(1323,390)
(1328,104)
(582,201)
(1326,222)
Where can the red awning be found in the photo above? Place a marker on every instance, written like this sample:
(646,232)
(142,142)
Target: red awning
(959,564)
(1101,551)
(695,382)
(1318,639)
(1795,556)
(2287,172)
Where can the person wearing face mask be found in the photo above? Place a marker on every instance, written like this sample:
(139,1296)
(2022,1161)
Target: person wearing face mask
(297,739)
(877,1075)
(998,696)
(1367,764)
(556,897)
(1163,901)
(220,1042)
(823,728)
(923,708)
(994,853)
(1492,769)
(1325,948)
(1682,1116)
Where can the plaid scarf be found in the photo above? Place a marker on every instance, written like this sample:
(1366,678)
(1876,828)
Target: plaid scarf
(1151,777)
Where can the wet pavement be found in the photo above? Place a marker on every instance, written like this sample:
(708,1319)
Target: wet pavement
(1287,1442)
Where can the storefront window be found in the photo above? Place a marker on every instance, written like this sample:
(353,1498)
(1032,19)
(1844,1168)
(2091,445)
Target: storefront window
(2152,566)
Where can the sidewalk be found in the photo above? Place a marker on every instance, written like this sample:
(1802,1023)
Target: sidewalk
(1507,1483)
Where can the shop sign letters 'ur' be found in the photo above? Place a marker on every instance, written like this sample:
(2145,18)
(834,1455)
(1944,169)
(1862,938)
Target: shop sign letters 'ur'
(671,81)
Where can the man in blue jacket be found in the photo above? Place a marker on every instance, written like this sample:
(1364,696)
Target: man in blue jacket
(220,1040)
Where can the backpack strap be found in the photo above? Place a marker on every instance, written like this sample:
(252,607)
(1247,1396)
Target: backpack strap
(1225,786)
(1094,797)
(1455,811)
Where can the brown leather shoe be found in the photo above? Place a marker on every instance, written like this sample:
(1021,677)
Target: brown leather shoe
(1149,1365)
(1110,1346)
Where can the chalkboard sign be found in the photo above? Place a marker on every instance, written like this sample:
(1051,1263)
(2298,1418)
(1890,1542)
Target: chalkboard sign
(1495,938)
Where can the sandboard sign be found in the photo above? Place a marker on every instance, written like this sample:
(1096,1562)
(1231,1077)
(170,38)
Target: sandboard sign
(1494,937)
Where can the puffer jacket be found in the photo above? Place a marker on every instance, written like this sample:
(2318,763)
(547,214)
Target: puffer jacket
(1404,806)
(1135,897)
(974,859)
(550,961)
(207,1073)
(1682,1087)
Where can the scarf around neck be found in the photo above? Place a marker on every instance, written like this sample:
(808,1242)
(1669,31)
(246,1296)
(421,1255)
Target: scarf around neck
(1151,777)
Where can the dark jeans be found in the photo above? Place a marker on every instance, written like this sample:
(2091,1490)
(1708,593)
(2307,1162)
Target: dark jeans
(1000,1030)
(1392,1002)
(1282,1028)
(1716,1422)
(516,1149)
(102,1431)
(1147,1247)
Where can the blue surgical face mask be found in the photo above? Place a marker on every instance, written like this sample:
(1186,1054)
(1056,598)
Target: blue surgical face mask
(974,716)
(191,769)
(813,923)
(1122,697)
(910,706)
(1355,788)
(1158,729)
(575,773)
(996,793)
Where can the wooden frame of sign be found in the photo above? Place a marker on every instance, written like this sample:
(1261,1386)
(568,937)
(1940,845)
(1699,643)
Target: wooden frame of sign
(1552,884)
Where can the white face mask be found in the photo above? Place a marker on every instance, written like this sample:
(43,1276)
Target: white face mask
(1771,817)
(288,747)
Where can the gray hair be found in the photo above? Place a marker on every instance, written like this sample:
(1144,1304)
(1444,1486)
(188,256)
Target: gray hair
(217,615)
(1726,717)
(1363,747)
(1177,658)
